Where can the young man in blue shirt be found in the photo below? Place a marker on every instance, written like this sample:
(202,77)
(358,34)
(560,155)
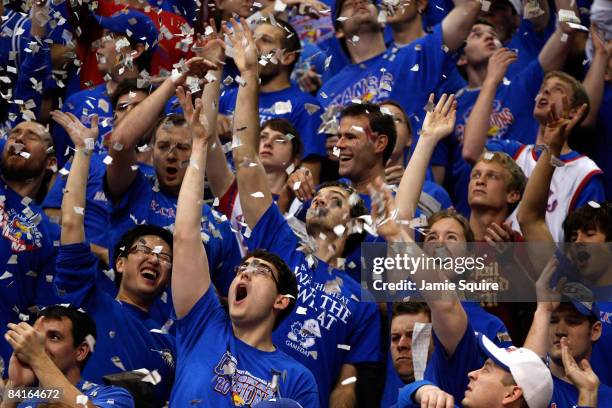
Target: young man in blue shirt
(407,75)
(327,332)
(27,245)
(128,44)
(51,355)
(513,104)
(228,361)
(279,45)
(97,211)
(130,336)
(137,197)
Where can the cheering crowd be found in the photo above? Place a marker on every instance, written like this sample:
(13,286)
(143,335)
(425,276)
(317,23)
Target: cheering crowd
(188,191)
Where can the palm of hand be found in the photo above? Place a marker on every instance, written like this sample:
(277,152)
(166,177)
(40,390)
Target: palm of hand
(245,55)
(437,125)
(19,374)
(211,49)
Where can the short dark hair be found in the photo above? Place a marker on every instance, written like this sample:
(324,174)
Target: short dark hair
(411,308)
(127,240)
(291,40)
(285,127)
(589,217)
(82,323)
(173,119)
(379,123)
(287,282)
(126,86)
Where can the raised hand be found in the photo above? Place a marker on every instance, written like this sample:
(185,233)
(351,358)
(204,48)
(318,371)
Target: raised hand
(245,53)
(582,376)
(193,114)
(81,135)
(498,65)
(561,122)
(210,47)
(301,183)
(440,121)
(498,235)
(546,295)
(195,67)
(384,211)
(432,396)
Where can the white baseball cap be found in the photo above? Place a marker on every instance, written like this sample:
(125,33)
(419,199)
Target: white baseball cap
(527,368)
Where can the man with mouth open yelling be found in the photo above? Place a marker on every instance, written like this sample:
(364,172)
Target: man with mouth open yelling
(129,337)
(331,332)
(228,361)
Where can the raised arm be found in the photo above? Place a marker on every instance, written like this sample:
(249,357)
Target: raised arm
(125,138)
(555,51)
(219,176)
(540,20)
(477,125)
(439,123)
(448,317)
(457,24)
(532,211)
(594,81)
(73,203)
(255,195)
(190,272)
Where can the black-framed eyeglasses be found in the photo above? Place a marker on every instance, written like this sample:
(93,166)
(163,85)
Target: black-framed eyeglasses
(257,269)
(162,257)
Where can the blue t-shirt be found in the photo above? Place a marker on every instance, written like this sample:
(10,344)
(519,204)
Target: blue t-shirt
(511,118)
(329,325)
(84,105)
(127,337)
(601,360)
(407,75)
(566,394)
(306,124)
(481,320)
(27,258)
(528,43)
(97,209)
(144,202)
(435,12)
(593,190)
(102,396)
(214,366)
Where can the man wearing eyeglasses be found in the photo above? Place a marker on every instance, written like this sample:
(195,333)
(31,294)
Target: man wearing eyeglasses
(130,333)
(228,361)
(27,254)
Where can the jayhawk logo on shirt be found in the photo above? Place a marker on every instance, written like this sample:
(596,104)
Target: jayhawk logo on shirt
(20,229)
(305,333)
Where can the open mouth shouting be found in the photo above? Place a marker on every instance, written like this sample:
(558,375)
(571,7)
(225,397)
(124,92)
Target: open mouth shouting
(241,293)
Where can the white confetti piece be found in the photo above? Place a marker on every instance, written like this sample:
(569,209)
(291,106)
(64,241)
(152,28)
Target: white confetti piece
(79,210)
(107,160)
(421,338)
(355,38)
(6,275)
(296,185)
(344,347)
(12,260)
(153,378)
(257,194)
(488,155)
(91,342)
(594,204)
(415,68)
(349,380)
(117,363)
(82,399)
(564,37)
(336,151)
(301,310)
(281,107)
(339,230)
(311,108)
(25,155)
(568,16)
(485,5)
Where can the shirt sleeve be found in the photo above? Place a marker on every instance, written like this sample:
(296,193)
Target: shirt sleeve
(304,389)
(206,315)
(450,373)
(364,335)
(227,102)
(113,397)
(76,269)
(593,190)
(273,233)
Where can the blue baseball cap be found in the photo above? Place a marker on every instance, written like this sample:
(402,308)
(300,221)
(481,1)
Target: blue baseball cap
(137,26)
(278,403)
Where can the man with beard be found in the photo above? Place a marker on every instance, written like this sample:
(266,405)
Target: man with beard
(279,45)
(331,332)
(27,253)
